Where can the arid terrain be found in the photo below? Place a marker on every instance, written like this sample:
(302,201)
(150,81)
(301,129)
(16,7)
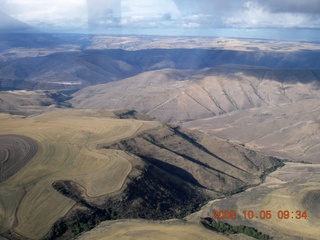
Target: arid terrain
(293,188)
(270,110)
(142,169)
(140,137)
(16,151)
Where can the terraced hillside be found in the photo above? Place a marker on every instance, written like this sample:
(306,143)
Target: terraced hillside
(142,169)
(63,172)
(15,152)
(30,205)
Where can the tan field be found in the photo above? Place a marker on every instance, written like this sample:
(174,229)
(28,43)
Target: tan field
(240,99)
(98,153)
(67,139)
(293,188)
(137,43)
(275,111)
(145,230)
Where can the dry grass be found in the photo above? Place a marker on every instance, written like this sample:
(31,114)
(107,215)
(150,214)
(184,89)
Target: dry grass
(145,230)
(10,198)
(137,43)
(294,187)
(68,141)
(40,208)
(16,152)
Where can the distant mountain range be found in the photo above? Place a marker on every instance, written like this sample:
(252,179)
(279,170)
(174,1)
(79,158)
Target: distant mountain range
(15,33)
(268,93)
(185,95)
(224,111)
(272,110)
(75,70)
(9,24)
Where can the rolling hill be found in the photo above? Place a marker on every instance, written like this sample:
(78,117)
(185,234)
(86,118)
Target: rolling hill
(227,108)
(9,24)
(75,70)
(273,110)
(184,95)
(142,169)
(17,34)
(31,102)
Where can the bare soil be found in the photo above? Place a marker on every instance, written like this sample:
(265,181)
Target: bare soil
(16,151)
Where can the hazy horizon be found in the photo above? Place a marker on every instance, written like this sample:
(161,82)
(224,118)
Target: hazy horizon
(285,20)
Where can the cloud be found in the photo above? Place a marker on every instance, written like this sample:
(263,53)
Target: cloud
(258,15)
(166,17)
(149,9)
(290,6)
(251,14)
(173,14)
(208,6)
(44,13)
(103,14)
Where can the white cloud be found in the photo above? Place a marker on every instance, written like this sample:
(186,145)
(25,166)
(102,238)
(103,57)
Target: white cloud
(164,14)
(255,15)
(58,13)
(191,25)
(148,9)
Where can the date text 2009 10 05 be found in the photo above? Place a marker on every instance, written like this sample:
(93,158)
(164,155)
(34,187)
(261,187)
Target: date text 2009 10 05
(263,214)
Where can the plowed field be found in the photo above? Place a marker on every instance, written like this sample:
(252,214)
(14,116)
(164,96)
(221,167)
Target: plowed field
(15,152)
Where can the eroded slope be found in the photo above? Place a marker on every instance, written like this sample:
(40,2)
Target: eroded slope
(203,161)
(142,169)
(273,110)
(78,69)
(176,95)
(31,102)
(290,194)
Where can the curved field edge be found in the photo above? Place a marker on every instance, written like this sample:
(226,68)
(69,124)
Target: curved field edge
(294,187)
(311,201)
(160,191)
(18,150)
(66,153)
(141,187)
(139,229)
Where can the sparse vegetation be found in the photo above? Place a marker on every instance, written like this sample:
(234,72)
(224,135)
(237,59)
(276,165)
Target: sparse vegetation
(229,229)
(158,184)
(68,152)
(79,222)
(65,171)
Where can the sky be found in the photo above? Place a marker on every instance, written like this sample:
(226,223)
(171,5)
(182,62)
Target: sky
(296,18)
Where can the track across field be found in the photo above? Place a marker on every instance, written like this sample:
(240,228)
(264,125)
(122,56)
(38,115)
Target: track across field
(66,150)
(15,152)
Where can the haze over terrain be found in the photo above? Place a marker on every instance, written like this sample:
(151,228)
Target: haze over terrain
(107,135)
(285,20)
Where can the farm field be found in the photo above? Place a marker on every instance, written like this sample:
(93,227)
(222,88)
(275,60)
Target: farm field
(66,141)
(228,110)
(107,165)
(291,189)
(144,230)
(15,152)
